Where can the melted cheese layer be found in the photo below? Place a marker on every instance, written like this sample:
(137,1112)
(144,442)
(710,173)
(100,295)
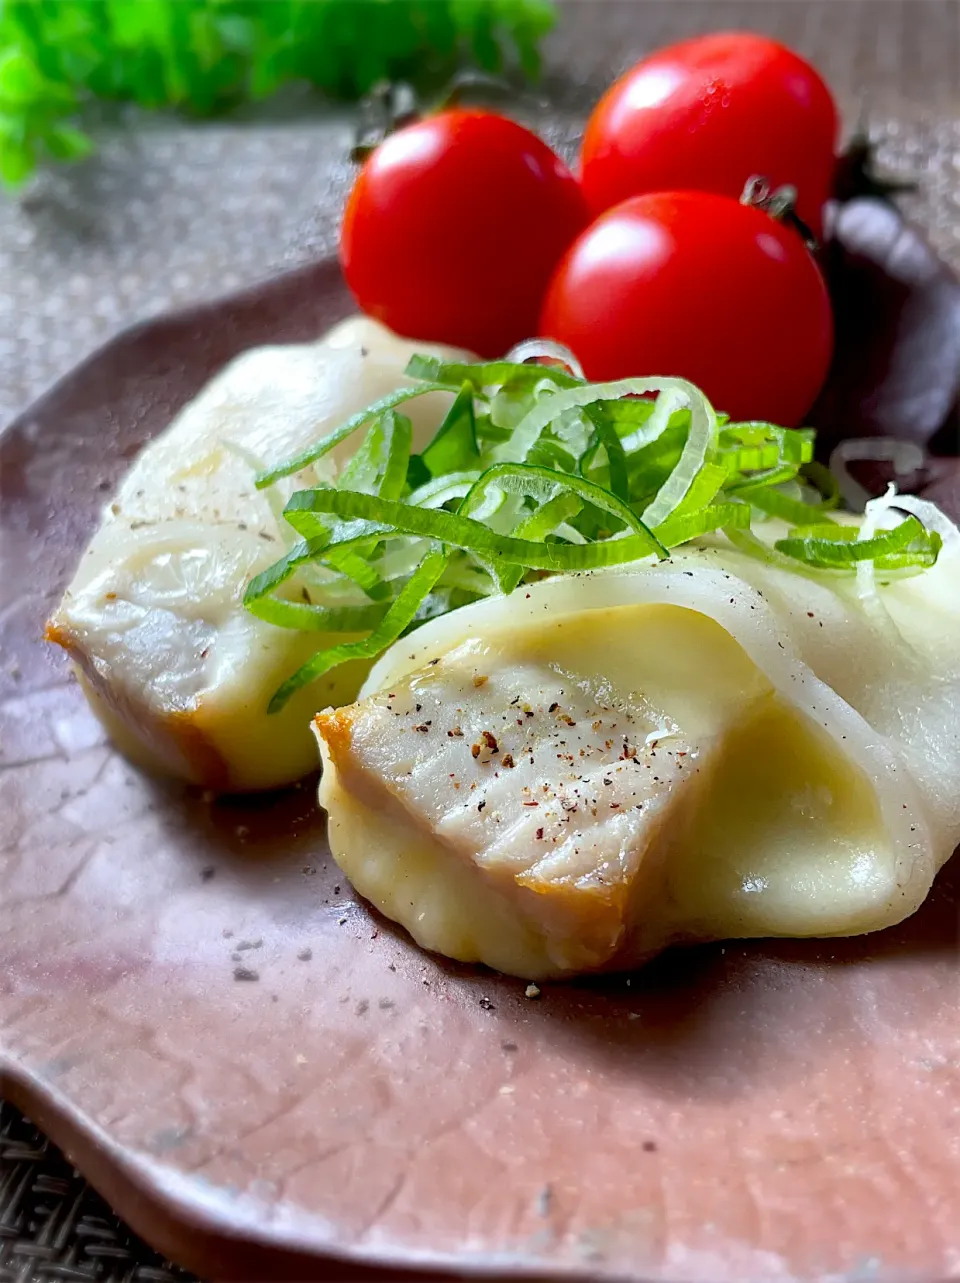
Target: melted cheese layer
(174,665)
(671,776)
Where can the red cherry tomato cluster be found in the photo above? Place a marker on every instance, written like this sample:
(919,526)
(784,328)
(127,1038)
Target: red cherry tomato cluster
(465,228)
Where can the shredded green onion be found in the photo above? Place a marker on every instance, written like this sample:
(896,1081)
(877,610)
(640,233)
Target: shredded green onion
(534,471)
(454,448)
(464,532)
(838,547)
(306,457)
(489,374)
(394,623)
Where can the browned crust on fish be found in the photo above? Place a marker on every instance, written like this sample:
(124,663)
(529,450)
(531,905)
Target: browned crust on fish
(335,728)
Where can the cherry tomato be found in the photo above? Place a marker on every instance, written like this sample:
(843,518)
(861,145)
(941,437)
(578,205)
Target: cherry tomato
(708,114)
(454,227)
(701,286)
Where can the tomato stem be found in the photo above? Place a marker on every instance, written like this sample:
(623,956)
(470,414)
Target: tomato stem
(478,87)
(387,107)
(781,204)
(857,176)
(392,104)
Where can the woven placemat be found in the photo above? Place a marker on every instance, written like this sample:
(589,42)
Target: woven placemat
(167,214)
(53,1225)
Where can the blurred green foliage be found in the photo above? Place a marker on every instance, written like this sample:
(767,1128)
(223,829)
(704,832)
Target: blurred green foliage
(203,57)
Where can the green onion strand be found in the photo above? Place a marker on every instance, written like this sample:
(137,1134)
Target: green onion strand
(453,374)
(833,546)
(394,623)
(333,439)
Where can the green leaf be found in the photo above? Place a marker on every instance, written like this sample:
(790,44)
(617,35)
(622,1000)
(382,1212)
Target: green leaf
(20,80)
(17,163)
(238,34)
(201,56)
(454,447)
(13,128)
(63,142)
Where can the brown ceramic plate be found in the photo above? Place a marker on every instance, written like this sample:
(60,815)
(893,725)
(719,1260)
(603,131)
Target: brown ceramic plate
(762,1111)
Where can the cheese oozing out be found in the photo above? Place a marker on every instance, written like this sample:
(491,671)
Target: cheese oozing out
(570,778)
(175,666)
